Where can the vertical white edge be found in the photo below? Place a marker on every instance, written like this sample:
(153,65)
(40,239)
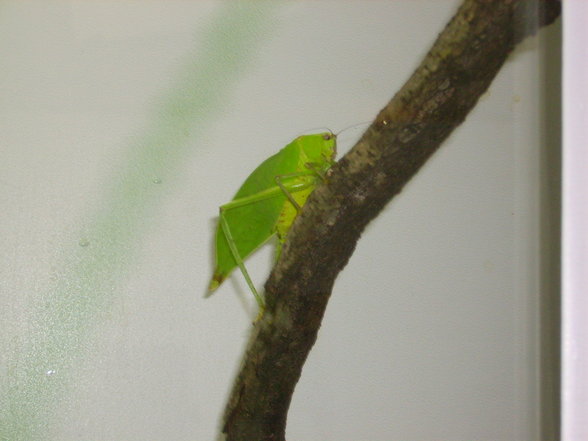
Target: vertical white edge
(575,223)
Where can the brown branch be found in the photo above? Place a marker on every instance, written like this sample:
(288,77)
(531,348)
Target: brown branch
(435,100)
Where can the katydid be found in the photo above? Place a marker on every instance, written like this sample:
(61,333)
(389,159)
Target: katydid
(268,202)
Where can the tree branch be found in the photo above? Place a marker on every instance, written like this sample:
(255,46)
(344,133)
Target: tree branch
(434,101)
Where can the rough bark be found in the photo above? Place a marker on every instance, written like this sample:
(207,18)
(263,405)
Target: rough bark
(438,96)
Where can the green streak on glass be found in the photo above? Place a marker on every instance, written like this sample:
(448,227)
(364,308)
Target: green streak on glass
(42,363)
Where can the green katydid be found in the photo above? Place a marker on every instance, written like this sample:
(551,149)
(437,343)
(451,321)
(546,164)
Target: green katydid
(268,202)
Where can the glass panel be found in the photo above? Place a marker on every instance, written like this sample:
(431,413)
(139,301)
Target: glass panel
(124,125)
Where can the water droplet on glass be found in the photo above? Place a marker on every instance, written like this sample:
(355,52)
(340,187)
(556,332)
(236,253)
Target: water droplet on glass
(84,242)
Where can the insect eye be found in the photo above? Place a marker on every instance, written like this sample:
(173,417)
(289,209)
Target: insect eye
(327,136)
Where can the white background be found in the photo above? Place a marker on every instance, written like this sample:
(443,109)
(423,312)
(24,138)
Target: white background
(109,195)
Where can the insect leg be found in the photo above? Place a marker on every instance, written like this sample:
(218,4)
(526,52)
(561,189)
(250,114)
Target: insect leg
(316,169)
(233,247)
(246,200)
(226,229)
(288,189)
